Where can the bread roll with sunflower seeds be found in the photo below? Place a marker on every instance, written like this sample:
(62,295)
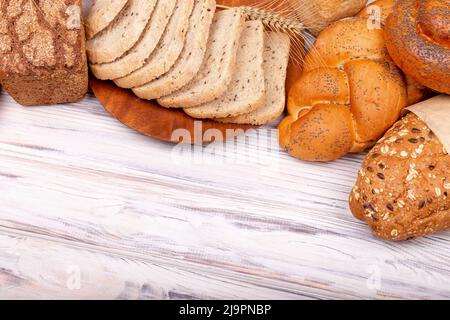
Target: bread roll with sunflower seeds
(403,187)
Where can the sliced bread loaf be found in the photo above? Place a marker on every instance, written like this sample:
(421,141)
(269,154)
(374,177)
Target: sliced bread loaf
(247,89)
(137,56)
(276,59)
(168,50)
(101,14)
(122,34)
(218,65)
(188,64)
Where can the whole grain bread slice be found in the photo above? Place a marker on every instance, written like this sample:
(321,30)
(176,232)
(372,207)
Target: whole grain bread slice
(218,65)
(276,59)
(101,14)
(122,34)
(189,63)
(137,57)
(168,50)
(247,89)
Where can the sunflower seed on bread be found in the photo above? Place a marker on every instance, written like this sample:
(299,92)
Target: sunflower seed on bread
(276,58)
(189,63)
(137,56)
(247,89)
(101,14)
(122,34)
(218,65)
(403,187)
(168,50)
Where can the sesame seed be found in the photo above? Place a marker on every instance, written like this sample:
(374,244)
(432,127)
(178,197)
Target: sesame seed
(380,176)
(384,149)
(404,154)
(447,186)
(437,191)
(394,233)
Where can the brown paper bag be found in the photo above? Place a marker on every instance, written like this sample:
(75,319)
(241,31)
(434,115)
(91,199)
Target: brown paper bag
(435,112)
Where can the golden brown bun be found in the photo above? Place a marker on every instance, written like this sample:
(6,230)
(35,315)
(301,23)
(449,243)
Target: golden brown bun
(418,39)
(403,187)
(381,9)
(349,94)
(319,14)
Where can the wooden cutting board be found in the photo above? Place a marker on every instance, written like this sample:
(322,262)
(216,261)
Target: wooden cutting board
(171,125)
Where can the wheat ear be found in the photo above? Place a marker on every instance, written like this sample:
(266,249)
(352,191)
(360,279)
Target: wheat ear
(279,23)
(271,20)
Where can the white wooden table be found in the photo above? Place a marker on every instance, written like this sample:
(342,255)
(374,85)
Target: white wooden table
(91,209)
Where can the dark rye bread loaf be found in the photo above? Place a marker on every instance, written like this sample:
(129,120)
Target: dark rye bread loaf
(403,187)
(42,51)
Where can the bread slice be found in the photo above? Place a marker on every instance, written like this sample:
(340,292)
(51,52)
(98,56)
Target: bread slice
(218,66)
(101,14)
(138,56)
(168,50)
(247,90)
(122,34)
(276,59)
(191,58)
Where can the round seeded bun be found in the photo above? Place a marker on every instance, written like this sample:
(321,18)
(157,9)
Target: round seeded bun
(403,187)
(418,39)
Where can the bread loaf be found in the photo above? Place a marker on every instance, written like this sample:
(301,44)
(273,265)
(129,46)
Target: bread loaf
(122,34)
(136,57)
(378,12)
(349,94)
(218,65)
(319,14)
(166,53)
(276,58)
(190,60)
(42,51)
(101,14)
(418,39)
(403,187)
(247,89)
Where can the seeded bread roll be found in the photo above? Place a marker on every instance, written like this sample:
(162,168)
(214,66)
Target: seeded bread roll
(418,39)
(403,187)
(42,51)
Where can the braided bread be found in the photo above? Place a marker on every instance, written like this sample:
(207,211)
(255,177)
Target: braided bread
(349,95)
(418,39)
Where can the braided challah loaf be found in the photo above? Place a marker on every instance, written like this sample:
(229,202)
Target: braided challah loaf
(349,95)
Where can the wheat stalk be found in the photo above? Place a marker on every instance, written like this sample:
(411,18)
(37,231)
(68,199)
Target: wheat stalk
(279,23)
(271,20)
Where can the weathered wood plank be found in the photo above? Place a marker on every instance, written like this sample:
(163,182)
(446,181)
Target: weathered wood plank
(74,174)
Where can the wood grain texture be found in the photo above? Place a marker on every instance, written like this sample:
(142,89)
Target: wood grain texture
(240,220)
